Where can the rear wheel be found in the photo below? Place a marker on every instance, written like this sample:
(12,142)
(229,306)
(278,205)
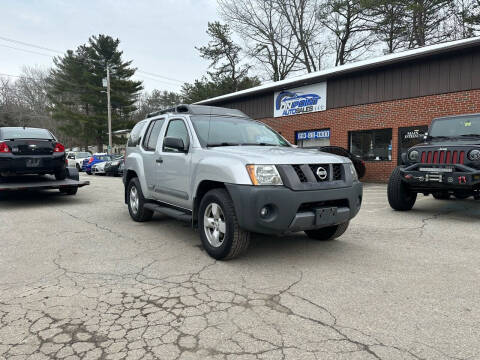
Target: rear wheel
(78,168)
(136,202)
(399,195)
(220,232)
(441,195)
(61,174)
(69,191)
(462,195)
(328,233)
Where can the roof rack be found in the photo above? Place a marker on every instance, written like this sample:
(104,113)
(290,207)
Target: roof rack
(198,110)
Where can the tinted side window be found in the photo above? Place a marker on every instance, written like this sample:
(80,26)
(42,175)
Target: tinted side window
(177,129)
(153,132)
(134,138)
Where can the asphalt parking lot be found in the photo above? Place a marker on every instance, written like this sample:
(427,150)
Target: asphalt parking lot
(79,279)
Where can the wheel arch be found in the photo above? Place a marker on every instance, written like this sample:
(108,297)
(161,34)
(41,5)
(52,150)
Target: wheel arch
(203,187)
(129,175)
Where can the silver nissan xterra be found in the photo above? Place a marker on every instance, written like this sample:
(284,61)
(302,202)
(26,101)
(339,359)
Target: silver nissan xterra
(230,175)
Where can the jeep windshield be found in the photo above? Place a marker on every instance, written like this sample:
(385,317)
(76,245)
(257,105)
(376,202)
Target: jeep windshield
(456,127)
(234,131)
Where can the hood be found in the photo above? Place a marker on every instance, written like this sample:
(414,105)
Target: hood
(449,142)
(278,155)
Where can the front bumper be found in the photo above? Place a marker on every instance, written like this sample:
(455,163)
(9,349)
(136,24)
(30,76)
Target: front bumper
(25,164)
(290,211)
(441,177)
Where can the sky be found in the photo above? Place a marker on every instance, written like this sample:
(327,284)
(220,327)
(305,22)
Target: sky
(159,36)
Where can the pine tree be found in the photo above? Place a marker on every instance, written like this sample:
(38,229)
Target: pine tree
(78,95)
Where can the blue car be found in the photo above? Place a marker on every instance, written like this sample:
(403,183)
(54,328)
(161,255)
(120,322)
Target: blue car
(94,159)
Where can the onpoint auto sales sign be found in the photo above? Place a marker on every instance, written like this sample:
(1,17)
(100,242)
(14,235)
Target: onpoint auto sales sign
(301,100)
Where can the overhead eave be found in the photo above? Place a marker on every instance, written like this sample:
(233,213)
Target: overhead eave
(323,75)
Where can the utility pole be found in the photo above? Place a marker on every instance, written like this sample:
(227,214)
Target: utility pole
(109,110)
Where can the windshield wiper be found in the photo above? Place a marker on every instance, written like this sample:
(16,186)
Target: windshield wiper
(223,144)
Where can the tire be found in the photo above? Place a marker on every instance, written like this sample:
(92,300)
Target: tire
(78,168)
(61,174)
(234,240)
(400,197)
(441,195)
(136,206)
(461,195)
(328,233)
(89,172)
(69,191)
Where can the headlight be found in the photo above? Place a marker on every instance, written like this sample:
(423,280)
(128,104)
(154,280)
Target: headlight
(354,172)
(474,155)
(413,156)
(264,175)
(115,163)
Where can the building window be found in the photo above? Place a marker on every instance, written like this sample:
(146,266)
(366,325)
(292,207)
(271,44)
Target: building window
(312,138)
(372,145)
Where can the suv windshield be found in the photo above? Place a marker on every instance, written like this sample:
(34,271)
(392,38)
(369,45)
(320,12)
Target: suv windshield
(232,131)
(25,133)
(81,155)
(456,126)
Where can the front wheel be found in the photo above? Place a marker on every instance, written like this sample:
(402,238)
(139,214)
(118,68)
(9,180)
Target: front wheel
(328,233)
(136,202)
(462,195)
(220,232)
(400,197)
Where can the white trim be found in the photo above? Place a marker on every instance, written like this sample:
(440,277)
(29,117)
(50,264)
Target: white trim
(391,58)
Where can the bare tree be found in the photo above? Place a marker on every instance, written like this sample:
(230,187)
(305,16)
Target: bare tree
(346,21)
(303,20)
(266,32)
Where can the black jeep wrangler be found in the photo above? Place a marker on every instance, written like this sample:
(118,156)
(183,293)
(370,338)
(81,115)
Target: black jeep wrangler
(447,163)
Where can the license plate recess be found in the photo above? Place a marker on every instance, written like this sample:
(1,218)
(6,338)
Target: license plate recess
(325,216)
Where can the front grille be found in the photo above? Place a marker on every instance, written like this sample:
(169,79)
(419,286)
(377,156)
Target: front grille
(319,172)
(443,157)
(300,174)
(337,171)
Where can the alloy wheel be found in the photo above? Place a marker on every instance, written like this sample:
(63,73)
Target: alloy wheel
(214,224)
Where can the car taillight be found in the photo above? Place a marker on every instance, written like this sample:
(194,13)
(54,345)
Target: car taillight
(4,147)
(59,148)
(90,160)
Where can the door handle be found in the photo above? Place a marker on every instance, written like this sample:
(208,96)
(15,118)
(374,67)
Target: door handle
(159,160)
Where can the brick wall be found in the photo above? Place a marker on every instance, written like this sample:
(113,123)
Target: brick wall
(390,114)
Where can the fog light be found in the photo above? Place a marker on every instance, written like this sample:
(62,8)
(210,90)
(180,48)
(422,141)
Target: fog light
(264,212)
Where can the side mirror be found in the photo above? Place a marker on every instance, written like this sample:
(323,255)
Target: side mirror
(404,158)
(174,143)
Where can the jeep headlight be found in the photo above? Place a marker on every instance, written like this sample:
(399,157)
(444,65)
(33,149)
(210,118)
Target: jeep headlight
(354,172)
(264,175)
(413,155)
(474,155)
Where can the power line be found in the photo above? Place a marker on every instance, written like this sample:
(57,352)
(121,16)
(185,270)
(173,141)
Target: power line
(60,52)
(28,44)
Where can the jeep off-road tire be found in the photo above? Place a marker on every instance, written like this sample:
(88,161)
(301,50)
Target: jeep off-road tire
(136,202)
(400,197)
(441,195)
(234,241)
(328,233)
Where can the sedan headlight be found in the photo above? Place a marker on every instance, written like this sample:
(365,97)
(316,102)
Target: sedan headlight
(354,172)
(413,156)
(264,175)
(115,163)
(474,155)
